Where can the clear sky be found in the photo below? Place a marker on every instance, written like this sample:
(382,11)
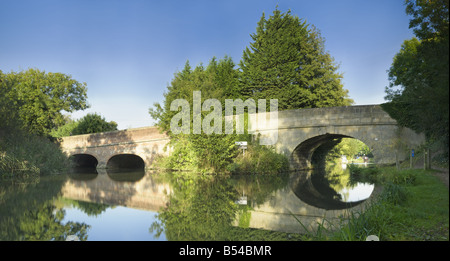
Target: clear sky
(128,51)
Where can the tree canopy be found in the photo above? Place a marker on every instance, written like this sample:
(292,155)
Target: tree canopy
(93,123)
(90,123)
(37,99)
(287,61)
(418,91)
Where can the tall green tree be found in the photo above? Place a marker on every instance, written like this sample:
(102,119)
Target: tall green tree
(287,61)
(40,98)
(418,91)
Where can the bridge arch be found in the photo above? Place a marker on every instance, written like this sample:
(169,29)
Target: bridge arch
(302,155)
(125,161)
(83,160)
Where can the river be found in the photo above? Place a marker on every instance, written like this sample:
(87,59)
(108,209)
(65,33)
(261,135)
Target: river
(101,205)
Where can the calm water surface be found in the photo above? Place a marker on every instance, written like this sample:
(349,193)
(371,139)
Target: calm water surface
(147,205)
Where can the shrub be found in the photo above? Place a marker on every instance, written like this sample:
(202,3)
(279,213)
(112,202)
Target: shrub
(260,160)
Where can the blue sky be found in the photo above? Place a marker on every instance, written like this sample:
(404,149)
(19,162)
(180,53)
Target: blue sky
(128,51)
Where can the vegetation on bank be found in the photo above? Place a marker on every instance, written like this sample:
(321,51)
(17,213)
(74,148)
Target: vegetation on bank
(31,105)
(24,157)
(259,159)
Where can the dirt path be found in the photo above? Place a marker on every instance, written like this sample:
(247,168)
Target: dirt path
(442,174)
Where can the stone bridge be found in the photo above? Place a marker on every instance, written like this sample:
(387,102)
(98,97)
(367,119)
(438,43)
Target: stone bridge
(301,132)
(132,148)
(298,134)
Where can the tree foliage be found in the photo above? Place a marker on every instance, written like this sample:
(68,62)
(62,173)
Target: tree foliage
(418,91)
(93,123)
(287,61)
(212,152)
(31,105)
(40,98)
(90,123)
(66,129)
(350,147)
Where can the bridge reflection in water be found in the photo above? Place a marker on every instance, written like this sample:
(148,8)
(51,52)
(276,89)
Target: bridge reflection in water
(313,202)
(134,189)
(303,194)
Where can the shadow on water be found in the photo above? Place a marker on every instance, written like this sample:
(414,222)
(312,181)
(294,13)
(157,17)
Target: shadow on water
(78,173)
(313,188)
(126,175)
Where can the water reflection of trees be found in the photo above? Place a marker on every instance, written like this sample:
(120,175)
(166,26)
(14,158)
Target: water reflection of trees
(200,208)
(337,178)
(258,187)
(45,224)
(91,209)
(204,208)
(27,212)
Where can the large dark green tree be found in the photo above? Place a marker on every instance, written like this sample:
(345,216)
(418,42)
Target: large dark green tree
(287,61)
(418,91)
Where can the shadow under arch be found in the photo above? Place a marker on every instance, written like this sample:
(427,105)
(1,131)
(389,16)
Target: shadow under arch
(83,161)
(302,155)
(316,193)
(313,150)
(125,162)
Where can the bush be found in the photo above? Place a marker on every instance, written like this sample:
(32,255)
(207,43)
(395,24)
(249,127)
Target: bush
(28,155)
(260,160)
(394,194)
(369,175)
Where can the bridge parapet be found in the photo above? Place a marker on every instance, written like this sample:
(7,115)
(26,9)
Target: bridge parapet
(333,116)
(113,137)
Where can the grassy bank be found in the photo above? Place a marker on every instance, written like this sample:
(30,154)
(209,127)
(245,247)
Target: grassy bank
(413,206)
(24,157)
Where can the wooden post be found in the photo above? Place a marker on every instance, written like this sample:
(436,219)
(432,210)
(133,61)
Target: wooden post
(425,159)
(397,164)
(429,159)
